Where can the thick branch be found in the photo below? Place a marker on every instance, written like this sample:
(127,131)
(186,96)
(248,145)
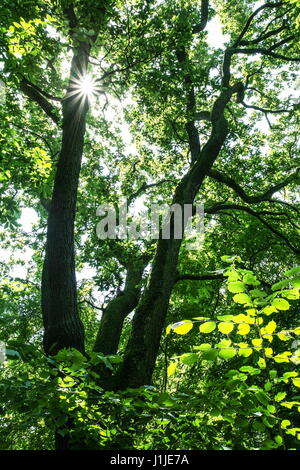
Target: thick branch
(34,95)
(220,207)
(41,91)
(202,116)
(265,196)
(204,18)
(110,329)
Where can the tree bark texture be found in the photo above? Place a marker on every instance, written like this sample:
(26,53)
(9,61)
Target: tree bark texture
(63,327)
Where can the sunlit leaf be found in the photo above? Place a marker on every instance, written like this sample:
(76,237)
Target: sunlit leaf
(225,327)
(227,353)
(243,329)
(207,327)
(171,369)
(242,298)
(236,287)
(281,304)
(182,327)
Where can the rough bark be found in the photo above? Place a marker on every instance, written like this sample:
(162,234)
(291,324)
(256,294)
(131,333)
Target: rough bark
(112,320)
(63,327)
(142,348)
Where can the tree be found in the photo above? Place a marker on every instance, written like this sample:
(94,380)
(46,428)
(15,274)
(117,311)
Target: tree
(216,125)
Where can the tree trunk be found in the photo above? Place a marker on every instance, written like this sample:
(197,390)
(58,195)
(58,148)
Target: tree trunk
(63,327)
(148,322)
(109,333)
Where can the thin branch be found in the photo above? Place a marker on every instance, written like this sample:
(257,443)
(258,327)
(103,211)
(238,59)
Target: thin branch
(251,18)
(267,52)
(91,304)
(263,37)
(144,187)
(211,275)
(36,135)
(220,207)
(264,110)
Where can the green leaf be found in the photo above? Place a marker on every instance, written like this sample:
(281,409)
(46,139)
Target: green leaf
(296,382)
(270,327)
(281,284)
(225,317)
(292,272)
(171,369)
(225,343)
(182,327)
(203,347)
(250,370)
(262,397)
(244,350)
(242,298)
(250,279)
(281,304)
(189,358)
(296,282)
(236,287)
(280,396)
(283,357)
(285,423)
(227,353)
(210,355)
(225,327)
(269,309)
(261,363)
(243,329)
(232,275)
(165,399)
(227,258)
(207,327)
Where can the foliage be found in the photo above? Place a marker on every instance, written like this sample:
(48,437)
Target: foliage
(172,79)
(261,398)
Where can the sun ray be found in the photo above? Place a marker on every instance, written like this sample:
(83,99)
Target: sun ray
(85,86)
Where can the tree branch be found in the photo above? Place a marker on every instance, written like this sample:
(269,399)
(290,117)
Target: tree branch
(220,207)
(144,187)
(211,275)
(34,95)
(265,196)
(264,110)
(263,37)
(267,52)
(251,17)
(198,28)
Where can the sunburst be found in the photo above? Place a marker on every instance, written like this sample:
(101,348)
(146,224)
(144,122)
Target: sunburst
(83,87)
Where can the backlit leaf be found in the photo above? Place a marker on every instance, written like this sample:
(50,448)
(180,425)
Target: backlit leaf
(182,327)
(207,327)
(243,329)
(236,287)
(227,353)
(242,298)
(281,304)
(225,327)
